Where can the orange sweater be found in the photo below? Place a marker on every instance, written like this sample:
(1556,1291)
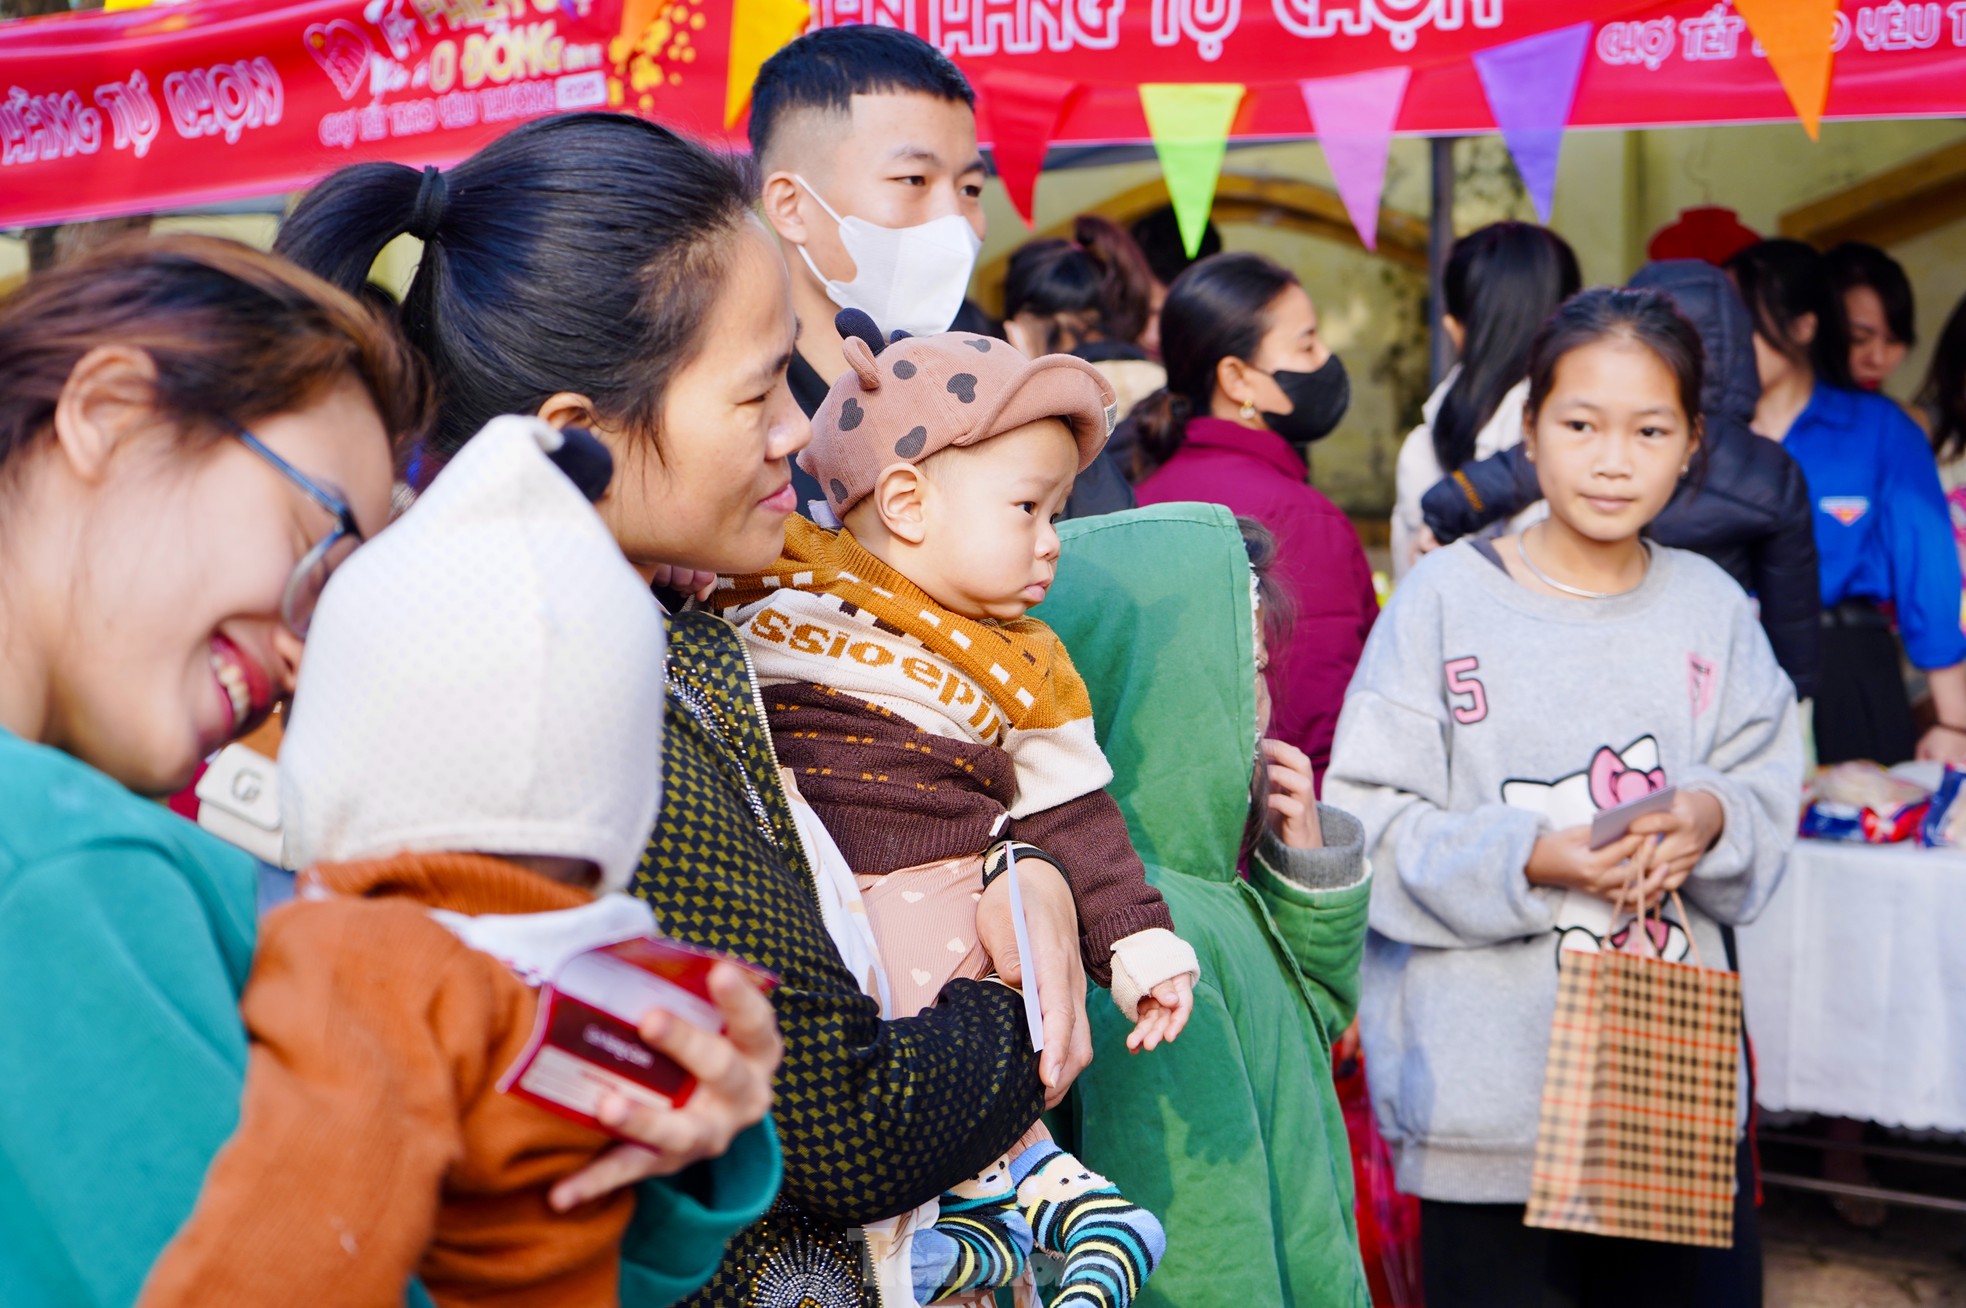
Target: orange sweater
(373,1143)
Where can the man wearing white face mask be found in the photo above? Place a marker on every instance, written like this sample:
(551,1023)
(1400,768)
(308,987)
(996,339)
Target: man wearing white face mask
(866,140)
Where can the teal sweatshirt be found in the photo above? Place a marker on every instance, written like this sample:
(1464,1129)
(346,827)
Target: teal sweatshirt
(126,935)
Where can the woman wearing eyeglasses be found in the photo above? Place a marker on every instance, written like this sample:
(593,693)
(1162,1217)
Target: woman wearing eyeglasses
(192,436)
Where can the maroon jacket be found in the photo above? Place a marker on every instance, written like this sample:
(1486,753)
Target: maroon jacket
(1319,563)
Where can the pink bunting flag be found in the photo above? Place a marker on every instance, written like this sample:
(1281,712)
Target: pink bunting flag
(1023,111)
(1353,117)
(1531,85)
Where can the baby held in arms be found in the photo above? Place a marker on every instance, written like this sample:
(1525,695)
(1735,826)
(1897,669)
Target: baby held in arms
(468,778)
(938,732)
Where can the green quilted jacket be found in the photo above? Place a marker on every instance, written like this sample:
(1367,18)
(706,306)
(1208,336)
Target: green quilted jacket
(1233,1134)
(874,1117)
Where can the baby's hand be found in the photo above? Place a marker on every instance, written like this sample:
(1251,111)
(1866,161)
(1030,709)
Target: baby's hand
(1293,800)
(685,581)
(1163,1014)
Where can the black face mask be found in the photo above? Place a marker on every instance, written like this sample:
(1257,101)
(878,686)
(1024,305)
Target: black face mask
(1318,399)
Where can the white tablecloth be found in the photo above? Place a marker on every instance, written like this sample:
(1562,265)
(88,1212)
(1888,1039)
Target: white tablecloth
(1854,979)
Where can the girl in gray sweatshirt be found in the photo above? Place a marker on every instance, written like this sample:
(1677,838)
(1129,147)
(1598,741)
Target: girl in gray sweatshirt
(1511,690)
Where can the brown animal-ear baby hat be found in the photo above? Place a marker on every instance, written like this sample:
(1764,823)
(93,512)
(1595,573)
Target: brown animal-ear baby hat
(904,400)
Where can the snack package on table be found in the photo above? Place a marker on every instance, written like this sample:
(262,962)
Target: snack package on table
(1944,826)
(1862,803)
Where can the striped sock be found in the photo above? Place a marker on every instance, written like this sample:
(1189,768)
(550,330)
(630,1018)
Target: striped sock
(980,1241)
(1110,1246)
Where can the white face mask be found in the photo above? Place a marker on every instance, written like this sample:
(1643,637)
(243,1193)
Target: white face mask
(909,279)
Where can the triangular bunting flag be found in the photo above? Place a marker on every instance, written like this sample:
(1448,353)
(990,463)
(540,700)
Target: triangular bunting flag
(1190,124)
(1353,117)
(1530,86)
(636,15)
(1797,36)
(1023,111)
(758,28)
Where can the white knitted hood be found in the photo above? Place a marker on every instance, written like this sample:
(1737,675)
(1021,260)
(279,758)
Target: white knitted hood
(485,676)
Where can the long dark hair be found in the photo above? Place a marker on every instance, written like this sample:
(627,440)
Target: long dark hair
(576,253)
(1278,616)
(234,336)
(1853,264)
(1648,318)
(1099,275)
(1159,237)
(1944,392)
(1218,309)
(1501,283)
(1782,281)
(1053,277)
(1126,281)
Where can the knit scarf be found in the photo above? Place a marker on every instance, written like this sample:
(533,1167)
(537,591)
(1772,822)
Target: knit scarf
(831,614)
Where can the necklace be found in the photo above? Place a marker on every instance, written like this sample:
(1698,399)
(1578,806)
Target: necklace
(1522,548)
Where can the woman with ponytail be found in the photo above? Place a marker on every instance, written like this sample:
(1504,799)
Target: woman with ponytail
(1250,385)
(1501,283)
(600,271)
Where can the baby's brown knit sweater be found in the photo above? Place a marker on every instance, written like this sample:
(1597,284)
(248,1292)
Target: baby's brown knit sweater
(373,1144)
(835,631)
(894,796)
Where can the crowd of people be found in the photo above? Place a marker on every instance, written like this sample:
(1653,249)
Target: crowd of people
(685,554)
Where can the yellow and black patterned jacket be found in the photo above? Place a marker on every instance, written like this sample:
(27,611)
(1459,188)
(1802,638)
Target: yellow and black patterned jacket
(875,1117)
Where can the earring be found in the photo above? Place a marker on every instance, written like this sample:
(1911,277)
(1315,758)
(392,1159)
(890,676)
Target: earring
(1248,410)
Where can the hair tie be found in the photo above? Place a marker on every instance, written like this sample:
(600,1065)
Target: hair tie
(428,211)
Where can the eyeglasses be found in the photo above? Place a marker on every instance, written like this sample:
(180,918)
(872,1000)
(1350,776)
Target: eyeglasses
(311,574)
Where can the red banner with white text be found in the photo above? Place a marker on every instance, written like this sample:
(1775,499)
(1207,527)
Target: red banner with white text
(184,104)
(208,100)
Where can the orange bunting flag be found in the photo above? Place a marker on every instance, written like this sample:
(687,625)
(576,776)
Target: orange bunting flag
(758,30)
(1796,35)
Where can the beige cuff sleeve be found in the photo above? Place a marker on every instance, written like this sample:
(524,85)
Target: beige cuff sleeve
(1144,960)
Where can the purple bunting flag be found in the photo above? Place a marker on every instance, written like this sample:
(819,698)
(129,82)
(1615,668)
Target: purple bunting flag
(1531,85)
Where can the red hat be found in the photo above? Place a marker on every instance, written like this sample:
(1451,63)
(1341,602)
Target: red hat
(1705,232)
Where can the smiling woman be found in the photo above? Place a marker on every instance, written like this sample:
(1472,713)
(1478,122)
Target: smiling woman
(158,553)
(601,270)
(155,560)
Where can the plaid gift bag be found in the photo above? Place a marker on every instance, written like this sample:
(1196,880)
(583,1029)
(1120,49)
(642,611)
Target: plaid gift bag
(1639,1098)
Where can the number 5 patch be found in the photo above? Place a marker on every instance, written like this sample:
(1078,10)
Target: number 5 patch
(1460,685)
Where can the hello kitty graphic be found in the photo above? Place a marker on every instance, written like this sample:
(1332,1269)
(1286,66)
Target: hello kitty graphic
(1613,777)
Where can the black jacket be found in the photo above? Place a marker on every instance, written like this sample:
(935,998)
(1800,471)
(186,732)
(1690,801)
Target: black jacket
(1745,506)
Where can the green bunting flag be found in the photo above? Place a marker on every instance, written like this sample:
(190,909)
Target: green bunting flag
(1190,125)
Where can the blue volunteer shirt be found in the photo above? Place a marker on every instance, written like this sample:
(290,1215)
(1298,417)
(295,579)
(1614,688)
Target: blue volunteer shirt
(1882,529)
